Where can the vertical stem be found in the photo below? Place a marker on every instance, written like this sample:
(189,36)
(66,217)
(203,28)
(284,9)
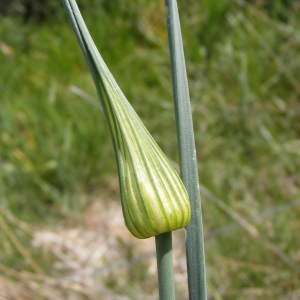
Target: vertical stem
(188,157)
(164,255)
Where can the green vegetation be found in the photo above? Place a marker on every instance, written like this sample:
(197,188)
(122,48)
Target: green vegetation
(243,65)
(195,245)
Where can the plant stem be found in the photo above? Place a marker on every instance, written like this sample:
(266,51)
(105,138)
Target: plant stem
(164,255)
(188,157)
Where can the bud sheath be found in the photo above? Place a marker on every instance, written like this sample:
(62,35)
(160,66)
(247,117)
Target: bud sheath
(154,199)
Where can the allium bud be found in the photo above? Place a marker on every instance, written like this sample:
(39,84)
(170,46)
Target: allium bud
(154,199)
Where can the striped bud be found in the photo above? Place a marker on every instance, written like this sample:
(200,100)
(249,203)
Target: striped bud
(154,199)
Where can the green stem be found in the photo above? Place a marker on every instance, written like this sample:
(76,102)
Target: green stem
(164,254)
(188,157)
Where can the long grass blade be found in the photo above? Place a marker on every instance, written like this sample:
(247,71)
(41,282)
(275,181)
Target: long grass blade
(188,158)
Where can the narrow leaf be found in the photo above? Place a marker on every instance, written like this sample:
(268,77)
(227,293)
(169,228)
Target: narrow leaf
(188,157)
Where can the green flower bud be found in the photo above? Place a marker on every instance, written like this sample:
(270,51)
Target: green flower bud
(154,199)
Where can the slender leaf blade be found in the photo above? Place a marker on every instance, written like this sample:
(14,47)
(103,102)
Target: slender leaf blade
(188,157)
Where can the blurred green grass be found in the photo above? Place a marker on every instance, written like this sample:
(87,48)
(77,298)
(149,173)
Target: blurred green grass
(243,64)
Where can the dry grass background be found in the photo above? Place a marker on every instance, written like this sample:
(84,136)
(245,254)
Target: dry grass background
(93,258)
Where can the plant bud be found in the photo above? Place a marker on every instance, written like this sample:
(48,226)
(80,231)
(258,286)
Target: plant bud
(154,199)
